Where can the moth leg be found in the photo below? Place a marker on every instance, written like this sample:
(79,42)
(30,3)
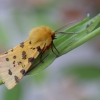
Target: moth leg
(35,65)
(55,49)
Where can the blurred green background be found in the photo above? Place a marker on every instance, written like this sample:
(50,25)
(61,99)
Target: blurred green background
(74,76)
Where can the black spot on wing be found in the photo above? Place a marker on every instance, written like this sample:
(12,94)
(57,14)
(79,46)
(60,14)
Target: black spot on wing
(22,72)
(23,55)
(19,62)
(22,44)
(30,42)
(16,79)
(13,62)
(31,59)
(32,48)
(14,57)
(38,49)
(7,59)
(9,72)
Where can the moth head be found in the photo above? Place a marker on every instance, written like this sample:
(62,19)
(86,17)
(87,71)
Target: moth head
(41,33)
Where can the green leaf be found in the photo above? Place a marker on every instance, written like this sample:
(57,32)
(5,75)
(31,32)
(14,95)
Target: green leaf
(67,42)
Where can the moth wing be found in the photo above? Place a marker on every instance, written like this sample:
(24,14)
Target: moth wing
(16,62)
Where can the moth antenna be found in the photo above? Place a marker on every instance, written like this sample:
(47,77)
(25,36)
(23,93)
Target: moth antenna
(62,28)
(67,32)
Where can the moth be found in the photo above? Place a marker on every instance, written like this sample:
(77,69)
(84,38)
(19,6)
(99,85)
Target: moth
(16,62)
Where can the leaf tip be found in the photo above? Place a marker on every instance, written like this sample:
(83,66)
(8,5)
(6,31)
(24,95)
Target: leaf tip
(88,15)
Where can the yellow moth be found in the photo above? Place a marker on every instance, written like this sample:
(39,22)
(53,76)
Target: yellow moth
(16,62)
